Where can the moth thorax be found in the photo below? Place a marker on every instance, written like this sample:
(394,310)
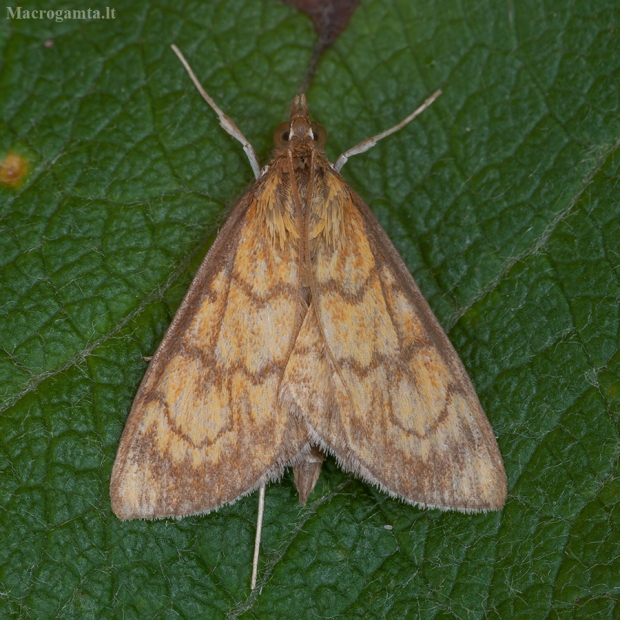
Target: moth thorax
(302,157)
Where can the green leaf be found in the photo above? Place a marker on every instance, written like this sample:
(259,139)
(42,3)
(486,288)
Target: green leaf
(503,201)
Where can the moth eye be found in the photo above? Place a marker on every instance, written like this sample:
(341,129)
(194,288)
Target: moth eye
(281,135)
(319,135)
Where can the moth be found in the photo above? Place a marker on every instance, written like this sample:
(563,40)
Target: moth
(303,334)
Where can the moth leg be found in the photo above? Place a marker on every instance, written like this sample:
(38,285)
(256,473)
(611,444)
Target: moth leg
(259,529)
(367,144)
(225,121)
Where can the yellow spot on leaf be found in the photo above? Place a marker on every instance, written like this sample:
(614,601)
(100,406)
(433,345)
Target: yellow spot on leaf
(13,170)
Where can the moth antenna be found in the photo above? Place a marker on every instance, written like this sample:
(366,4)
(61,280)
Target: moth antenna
(367,144)
(259,528)
(225,121)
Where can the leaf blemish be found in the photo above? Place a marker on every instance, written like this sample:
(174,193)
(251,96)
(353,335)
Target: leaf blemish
(13,170)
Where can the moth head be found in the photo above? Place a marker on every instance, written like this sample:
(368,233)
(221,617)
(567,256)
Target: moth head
(300,127)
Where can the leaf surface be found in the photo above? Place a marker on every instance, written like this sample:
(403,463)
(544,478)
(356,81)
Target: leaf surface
(503,201)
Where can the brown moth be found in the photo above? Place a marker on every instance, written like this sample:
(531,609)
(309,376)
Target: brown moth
(303,334)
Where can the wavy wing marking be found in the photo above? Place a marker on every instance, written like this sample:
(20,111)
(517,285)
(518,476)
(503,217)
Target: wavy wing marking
(205,427)
(378,382)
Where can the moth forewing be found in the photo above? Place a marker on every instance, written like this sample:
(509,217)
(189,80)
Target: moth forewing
(205,427)
(376,380)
